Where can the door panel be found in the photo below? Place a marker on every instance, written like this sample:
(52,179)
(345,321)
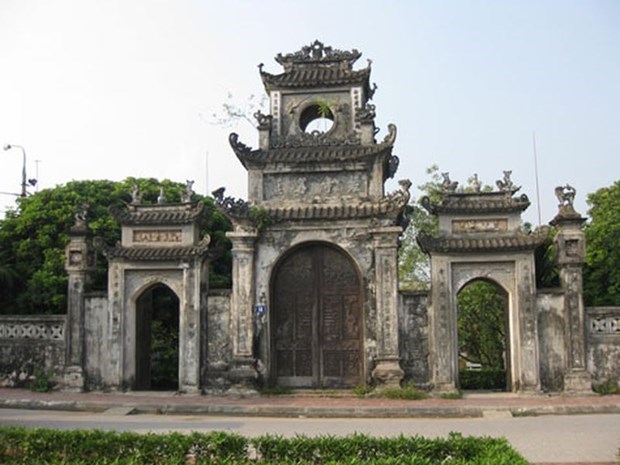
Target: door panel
(317,320)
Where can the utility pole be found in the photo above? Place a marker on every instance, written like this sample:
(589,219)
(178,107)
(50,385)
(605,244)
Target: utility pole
(24,177)
(536,174)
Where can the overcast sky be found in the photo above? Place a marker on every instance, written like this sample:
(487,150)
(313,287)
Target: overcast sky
(117,88)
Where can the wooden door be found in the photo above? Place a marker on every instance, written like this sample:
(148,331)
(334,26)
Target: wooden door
(317,320)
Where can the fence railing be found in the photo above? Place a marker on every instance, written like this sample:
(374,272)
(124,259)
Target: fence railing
(603,321)
(35,327)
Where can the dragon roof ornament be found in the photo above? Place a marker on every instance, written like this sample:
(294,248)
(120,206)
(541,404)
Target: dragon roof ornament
(318,53)
(318,65)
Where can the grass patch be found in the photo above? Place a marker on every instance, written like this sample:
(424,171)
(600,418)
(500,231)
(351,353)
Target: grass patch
(407,392)
(276,391)
(363,391)
(451,395)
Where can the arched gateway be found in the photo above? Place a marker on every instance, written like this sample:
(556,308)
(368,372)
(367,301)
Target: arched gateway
(160,249)
(323,318)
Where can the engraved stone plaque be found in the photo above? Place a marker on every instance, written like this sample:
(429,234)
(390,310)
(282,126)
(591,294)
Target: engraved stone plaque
(156,235)
(479,225)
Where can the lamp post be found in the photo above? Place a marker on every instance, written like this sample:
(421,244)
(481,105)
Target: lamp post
(8,147)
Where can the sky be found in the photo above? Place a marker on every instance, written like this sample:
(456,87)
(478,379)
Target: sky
(111,89)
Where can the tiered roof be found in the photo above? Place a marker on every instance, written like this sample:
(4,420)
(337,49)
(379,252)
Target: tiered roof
(158,214)
(317,65)
(507,242)
(159,253)
(392,207)
(154,215)
(479,202)
(476,206)
(324,150)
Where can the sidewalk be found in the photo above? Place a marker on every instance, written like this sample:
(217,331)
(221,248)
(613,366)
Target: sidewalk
(311,404)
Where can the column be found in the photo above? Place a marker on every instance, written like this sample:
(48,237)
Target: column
(243,372)
(387,370)
(190,324)
(571,252)
(79,264)
(442,333)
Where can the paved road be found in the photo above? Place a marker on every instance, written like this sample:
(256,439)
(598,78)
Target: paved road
(546,439)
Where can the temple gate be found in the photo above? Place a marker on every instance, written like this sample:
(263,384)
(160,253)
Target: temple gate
(314,247)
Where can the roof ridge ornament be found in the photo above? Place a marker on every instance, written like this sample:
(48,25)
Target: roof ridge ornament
(318,53)
(447,184)
(506,184)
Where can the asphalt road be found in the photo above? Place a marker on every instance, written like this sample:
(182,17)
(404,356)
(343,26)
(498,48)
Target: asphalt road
(546,439)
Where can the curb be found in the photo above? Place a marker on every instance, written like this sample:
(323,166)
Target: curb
(307,411)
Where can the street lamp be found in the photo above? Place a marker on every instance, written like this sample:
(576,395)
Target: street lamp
(8,147)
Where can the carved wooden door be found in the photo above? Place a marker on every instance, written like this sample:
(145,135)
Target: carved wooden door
(317,320)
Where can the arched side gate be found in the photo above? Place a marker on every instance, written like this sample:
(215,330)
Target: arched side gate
(317,319)
(160,247)
(481,238)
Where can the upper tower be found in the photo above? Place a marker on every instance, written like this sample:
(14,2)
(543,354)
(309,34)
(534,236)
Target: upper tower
(318,144)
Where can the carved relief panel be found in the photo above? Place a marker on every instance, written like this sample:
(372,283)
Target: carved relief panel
(310,186)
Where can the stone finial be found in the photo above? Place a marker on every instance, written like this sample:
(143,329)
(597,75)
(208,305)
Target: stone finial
(448,185)
(161,198)
(566,211)
(80,225)
(506,184)
(263,120)
(565,195)
(136,195)
(475,184)
(186,195)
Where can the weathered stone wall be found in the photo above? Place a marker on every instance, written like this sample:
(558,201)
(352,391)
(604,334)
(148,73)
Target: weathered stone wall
(219,350)
(603,343)
(96,351)
(413,336)
(551,339)
(29,343)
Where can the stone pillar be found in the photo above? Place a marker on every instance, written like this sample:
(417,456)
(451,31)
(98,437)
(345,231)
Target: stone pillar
(525,376)
(79,264)
(190,324)
(442,334)
(243,373)
(571,253)
(387,370)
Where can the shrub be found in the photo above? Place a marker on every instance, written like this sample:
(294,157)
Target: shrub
(42,446)
(363,391)
(407,392)
(608,387)
(42,381)
(487,378)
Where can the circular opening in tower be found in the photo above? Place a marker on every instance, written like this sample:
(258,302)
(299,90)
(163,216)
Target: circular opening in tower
(316,118)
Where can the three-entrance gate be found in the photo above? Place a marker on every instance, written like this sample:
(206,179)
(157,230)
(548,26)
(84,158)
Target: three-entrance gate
(317,319)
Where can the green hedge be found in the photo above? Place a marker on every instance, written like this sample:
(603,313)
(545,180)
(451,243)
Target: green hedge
(44,446)
(487,378)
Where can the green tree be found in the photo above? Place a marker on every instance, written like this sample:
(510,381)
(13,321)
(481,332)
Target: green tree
(481,324)
(33,237)
(602,270)
(413,264)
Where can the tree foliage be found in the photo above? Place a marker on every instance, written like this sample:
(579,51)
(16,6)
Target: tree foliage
(481,324)
(33,238)
(602,270)
(413,263)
